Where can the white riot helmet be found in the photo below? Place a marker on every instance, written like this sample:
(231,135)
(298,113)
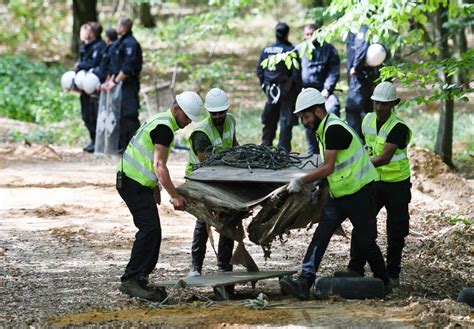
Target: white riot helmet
(385,92)
(376,54)
(216,100)
(79,79)
(90,83)
(190,103)
(307,98)
(67,80)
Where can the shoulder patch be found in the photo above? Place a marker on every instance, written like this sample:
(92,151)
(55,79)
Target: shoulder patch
(128,51)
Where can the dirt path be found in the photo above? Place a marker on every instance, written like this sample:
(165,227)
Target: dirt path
(65,237)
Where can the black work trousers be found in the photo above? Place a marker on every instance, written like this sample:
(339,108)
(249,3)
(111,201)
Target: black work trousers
(146,248)
(281,112)
(130,106)
(198,248)
(395,197)
(360,209)
(89,110)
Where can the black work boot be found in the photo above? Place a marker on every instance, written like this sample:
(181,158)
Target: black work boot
(138,288)
(89,148)
(195,271)
(348,274)
(299,288)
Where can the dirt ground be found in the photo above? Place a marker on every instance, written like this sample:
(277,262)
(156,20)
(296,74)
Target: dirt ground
(65,237)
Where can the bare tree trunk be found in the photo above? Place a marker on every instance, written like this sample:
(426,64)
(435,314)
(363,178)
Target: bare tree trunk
(83,11)
(144,13)
(444,138)
(461,47)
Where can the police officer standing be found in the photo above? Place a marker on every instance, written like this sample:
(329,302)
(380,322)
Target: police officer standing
(361,79)
(129,53)
(142,169)
(281,87)
(90,55)
(105,69)
(350,176)
(217,131)
(321,72)
(387,138)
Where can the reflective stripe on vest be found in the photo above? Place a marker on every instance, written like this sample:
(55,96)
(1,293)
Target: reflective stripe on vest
(398,168)
(207,127)
(353,169)
(137,160)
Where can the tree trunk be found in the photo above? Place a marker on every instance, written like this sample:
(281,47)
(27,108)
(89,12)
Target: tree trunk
(444,138)
(146,18)
(83,11)
(460,43)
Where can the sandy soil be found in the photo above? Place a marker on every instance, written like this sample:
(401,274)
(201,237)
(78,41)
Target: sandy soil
(65,237)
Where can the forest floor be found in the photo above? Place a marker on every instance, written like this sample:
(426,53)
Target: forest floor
(66,236)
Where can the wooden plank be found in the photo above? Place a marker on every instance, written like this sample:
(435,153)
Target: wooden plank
(232,174)
(225,278)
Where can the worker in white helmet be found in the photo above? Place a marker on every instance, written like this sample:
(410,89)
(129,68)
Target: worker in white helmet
(142,169)
(387,137)
(216,131)
(350,176)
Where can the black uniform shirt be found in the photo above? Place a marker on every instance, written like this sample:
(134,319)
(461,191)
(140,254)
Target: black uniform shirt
(281,74)
(322,70)
(200,140)
(130,56)
(90,55)
(162,135)
(106,64)
(337,138)
(398,135)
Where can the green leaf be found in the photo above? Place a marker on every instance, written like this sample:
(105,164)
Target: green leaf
(288,62)
(296,63)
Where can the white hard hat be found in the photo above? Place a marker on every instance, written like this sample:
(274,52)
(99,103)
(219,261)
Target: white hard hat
(79,79)
(376,54)
(385,92)
(90,83)
(307,98)
(216,100)
(190,103)
(67,80)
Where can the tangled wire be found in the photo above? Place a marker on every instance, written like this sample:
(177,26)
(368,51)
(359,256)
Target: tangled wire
(253,156)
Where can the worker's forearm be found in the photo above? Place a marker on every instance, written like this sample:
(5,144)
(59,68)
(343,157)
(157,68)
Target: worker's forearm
(165,180)
(318,174)
(380,160)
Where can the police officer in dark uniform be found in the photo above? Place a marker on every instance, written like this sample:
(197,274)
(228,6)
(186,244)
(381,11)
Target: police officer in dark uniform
(322,73)
(361,79)
(281,86)
(90,55)
(129,56)
(105,69)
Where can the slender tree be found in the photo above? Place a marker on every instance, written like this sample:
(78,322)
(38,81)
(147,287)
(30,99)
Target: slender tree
(444,138)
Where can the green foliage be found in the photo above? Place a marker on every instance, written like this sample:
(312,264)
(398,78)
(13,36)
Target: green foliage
(31,91)
(179,35)
(458,217)
(28,25)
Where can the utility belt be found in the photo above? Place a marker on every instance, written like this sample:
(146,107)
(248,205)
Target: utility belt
(273,92)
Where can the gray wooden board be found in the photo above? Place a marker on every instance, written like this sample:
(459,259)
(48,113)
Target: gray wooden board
(232,174)
(225,278)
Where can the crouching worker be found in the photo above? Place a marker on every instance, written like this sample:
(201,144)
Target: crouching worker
(216,131)
(350,176)
(142,169)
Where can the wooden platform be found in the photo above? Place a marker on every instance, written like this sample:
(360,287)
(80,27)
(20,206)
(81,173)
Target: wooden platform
(220,281)
(231,174)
